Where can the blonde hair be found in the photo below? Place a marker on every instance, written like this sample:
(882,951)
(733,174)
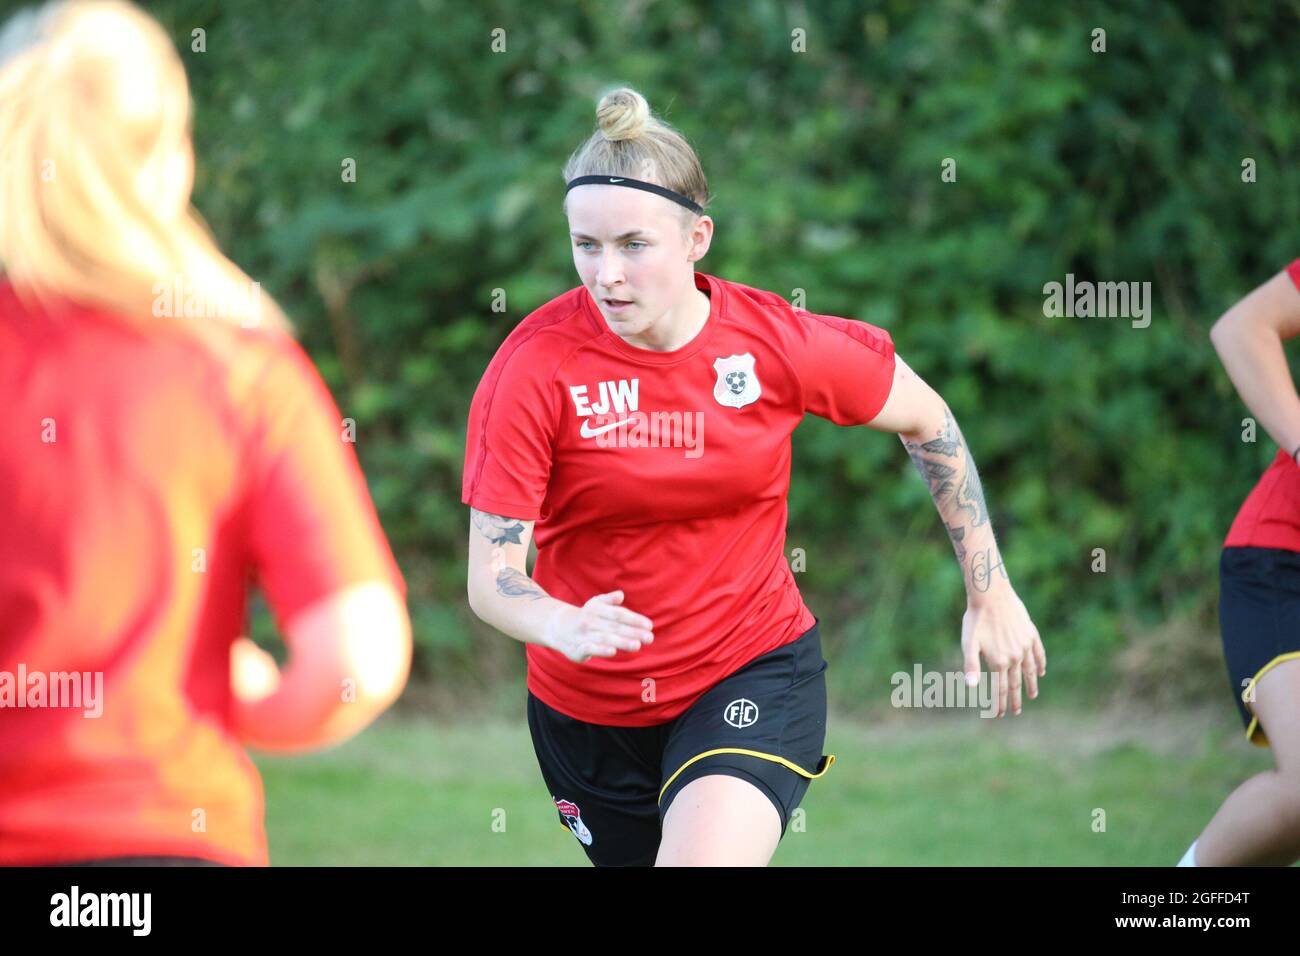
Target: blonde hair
(94,102)
(630,141)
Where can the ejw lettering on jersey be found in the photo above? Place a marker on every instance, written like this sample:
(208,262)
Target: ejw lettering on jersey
(614,419)
(619,397)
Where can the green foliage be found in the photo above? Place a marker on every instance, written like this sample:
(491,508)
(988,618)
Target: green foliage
(1121,166)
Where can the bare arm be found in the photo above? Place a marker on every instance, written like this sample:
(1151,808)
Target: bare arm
(996,623)
(928,431)
(503,595)
(349,657)
(500,591)
(1248,338)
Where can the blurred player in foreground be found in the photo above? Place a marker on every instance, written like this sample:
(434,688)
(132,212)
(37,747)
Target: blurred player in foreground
(164,443)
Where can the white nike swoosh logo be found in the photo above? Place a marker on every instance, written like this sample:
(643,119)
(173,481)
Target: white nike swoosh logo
(616,180)
(588,432)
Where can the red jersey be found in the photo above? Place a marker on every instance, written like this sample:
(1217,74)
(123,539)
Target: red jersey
(664,474)
(1270,515)
(142,479)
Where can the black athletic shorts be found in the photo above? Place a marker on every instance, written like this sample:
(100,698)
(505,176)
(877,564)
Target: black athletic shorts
(1259,615)
(612,786)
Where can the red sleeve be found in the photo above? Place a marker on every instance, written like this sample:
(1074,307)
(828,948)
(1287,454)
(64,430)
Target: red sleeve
(312,528)
(510,439)
(846,367)
(1293,270)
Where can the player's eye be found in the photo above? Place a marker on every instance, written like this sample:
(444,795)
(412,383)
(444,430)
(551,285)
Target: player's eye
(636,242)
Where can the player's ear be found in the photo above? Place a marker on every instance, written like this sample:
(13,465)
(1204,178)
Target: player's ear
(699,236)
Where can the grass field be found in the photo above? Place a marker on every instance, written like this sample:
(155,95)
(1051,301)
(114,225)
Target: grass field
(909,788)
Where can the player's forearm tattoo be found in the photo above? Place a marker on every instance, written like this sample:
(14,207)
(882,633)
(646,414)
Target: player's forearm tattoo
(514,583)
(935,473)
(956,534)
(947,468)
(971,497)
(497,529)
(984,566)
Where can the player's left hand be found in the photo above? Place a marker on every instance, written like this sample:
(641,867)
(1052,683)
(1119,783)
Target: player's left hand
(998,626)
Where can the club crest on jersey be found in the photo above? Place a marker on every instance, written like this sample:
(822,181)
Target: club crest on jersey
(573,818)
(737,385)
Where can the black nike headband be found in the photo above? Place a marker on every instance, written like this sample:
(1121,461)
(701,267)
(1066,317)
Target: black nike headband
(637,184)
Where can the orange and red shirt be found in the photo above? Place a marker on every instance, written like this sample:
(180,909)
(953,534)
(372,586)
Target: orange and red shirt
(664,474)
(1270,515)
(145,481)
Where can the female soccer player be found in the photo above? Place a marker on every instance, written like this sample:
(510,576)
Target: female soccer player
(1259,588)
(151,460)
(640,426)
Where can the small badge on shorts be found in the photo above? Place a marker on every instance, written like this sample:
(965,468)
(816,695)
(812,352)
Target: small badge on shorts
(569,811)
(741,713)
(737,385)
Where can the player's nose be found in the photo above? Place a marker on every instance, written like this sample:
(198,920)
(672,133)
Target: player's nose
(610,273)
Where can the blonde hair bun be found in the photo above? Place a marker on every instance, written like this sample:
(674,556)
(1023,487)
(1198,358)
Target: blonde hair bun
(622,114)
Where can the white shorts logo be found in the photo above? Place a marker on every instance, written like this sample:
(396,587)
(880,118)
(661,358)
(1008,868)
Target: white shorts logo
(740,713)
(737,385)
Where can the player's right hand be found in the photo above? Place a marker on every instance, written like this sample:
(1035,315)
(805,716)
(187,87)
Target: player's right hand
(600,628)
(254,674)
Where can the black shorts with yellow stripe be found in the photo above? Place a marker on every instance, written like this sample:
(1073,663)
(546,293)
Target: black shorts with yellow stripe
(1259,616)
(612,786)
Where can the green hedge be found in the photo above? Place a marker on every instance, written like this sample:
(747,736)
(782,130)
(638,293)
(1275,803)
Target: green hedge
(1124,165)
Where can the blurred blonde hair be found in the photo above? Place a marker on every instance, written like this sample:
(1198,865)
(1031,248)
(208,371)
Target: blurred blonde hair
(630,141)
(96,170)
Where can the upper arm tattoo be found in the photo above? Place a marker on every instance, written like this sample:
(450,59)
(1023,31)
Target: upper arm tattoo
(497,529)
(949,439)
(502,531)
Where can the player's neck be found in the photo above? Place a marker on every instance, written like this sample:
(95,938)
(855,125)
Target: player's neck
(677,327)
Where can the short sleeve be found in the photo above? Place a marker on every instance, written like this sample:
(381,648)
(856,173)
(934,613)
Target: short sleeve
(510,439)
(312,527)
(846,367)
